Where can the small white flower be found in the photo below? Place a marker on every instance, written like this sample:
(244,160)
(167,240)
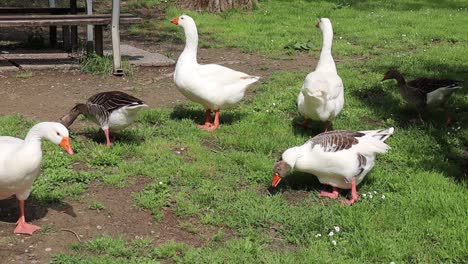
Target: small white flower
(318,235)
(160,183)
(403,35)
(337,228)
(448,133)
(364,195)
(274,104)
(331,233)
(370,196)
(393,262)
(375,192)
(383,196)
(334,242)
(458,128)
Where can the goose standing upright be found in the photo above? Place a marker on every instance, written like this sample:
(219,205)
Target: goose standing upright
(338,158)
(321,96)
(211,85)
(113,111)
(20,163)
(424,92)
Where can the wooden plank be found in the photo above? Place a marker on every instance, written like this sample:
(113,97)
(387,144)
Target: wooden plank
(70,22)
(38,56)
(78,16)
(44,10)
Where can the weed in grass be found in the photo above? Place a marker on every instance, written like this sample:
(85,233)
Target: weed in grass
(96,64)
(24,75)
(154,198)
(95,205)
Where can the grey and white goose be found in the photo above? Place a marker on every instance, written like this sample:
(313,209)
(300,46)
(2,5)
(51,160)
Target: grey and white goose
(340,159)
(424,92)
(112,110)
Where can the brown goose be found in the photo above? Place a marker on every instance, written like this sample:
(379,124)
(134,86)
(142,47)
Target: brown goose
(110,110)
(340,159)
(425,92)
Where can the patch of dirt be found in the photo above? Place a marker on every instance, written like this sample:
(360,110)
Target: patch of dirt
(61,222)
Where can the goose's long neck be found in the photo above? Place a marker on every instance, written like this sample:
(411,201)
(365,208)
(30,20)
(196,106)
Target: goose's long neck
(326,61)
(69,118)
(34,136)
(189,55)
(400,79)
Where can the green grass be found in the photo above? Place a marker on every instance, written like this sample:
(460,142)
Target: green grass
(96,64)
(219,179)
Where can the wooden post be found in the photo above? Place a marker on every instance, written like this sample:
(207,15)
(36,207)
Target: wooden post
(98,43)
(116,38)
(52,29)
(74,29)
(89,28)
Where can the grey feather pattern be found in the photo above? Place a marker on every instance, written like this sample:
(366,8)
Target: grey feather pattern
(101,105)
(334,141)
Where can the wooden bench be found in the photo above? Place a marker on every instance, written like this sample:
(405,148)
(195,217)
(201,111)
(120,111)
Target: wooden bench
(98,20)
(39,10)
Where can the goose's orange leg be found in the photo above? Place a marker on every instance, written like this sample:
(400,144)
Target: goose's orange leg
(207,120)
(215,124)
(333,195)
(354,194)
(21,226)
(327,125)
(106,132)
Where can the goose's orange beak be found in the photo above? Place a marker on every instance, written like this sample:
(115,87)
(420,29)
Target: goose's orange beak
(65,144)
(175,21)
(276,180)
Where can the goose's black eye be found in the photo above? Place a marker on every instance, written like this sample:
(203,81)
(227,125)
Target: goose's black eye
(58,134)
(181,18)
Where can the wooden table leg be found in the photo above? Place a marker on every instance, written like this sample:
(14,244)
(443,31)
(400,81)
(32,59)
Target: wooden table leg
(53,36)
(74,29)
(66,38)
(98,42)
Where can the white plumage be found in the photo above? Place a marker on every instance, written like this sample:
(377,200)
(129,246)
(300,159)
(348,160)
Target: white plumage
(20,162)
(321,96)
(211,85)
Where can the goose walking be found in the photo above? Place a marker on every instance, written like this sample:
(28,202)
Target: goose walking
(211,85)
(424,93)
(321,96)
(113,111)
(340,159)
(20,162)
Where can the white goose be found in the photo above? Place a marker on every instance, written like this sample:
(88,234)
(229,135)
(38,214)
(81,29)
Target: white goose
(338,158)
(211,85)
(20,162)
(321,96)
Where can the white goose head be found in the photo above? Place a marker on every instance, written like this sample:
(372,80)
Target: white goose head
(184,21)
(55,132)
(324,24)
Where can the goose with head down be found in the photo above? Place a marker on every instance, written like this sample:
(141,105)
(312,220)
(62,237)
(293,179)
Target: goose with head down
(321,96)
(423,92)
(113,111)
(340,159)
(211,85)
(20,162)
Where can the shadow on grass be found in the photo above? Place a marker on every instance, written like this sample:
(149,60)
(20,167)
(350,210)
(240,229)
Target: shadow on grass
(198,116)
(312,129)
(300,182)
(34,210)
(386,105)
(125,136)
